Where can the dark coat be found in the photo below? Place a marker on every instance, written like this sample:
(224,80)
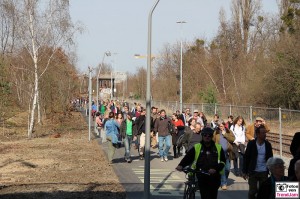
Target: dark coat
(161,126)
(188,133)
(291,169)
(140,125)
(211,163)
(250,156)
(295,151)
(267,189)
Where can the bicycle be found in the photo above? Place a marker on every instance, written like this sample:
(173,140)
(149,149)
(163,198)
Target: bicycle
(191,185)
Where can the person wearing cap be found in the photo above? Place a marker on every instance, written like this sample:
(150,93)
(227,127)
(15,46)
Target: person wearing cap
(208,158)
(257,153)
(126,131)
(276,168)
(197,117)
(250,135)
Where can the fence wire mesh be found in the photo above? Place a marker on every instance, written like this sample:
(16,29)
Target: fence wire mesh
(282,122)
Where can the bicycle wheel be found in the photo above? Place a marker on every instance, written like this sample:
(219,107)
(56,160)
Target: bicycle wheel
(189,192)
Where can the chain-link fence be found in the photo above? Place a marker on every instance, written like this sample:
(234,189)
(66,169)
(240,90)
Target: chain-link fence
(284,120)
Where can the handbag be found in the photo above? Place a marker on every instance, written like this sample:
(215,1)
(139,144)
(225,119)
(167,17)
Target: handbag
(179,141)
(171,128)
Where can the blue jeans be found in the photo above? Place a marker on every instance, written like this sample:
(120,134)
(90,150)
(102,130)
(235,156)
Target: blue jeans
(127,144)
(161,139)
(225,175)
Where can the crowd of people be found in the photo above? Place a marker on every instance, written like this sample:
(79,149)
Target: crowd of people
(206,146)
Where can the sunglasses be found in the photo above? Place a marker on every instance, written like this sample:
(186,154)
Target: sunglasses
(206,135)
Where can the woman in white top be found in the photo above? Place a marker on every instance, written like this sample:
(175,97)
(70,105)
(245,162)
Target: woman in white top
(239,131)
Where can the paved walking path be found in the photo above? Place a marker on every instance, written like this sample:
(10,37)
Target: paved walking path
(165,182)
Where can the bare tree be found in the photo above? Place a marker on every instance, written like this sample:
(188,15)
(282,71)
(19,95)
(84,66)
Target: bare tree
(42,25)
(243,12)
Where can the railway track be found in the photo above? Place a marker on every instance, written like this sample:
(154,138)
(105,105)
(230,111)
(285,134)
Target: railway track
(273,138)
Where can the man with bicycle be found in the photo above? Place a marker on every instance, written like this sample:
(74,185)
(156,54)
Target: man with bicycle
(208,159)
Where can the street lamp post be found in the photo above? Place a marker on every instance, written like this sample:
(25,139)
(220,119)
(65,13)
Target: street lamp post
(111,78)
(180,86)
(148,107)
(107,53)
(111,81)
(90,101)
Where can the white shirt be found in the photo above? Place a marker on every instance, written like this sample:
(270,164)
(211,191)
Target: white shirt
(239,133)
(199,120)
(186,118)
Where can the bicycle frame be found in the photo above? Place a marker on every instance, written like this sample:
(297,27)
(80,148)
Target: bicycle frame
(191,185)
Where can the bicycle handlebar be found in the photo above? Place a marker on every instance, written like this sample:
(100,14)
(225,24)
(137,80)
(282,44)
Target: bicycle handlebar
(194,171)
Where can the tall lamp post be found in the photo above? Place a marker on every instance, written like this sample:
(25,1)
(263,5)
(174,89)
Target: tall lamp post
(180,84)
(107,53)
(111,77)
(148,106)
(90,100)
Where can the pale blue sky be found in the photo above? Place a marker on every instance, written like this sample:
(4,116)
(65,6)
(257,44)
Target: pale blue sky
(121,26)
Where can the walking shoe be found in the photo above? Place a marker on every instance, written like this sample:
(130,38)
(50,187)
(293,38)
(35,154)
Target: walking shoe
(166,159)
(162,160)
(129,161)
(224,187)
(141,157)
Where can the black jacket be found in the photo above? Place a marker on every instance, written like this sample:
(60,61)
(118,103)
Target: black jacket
(250,156)
(140,125)
(267,189)
(204,165)
(291,169)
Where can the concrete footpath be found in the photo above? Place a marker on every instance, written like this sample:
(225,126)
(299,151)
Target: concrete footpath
(165,181)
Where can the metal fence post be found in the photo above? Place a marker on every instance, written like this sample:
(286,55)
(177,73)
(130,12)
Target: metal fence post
(202,107)
(230,113)
(280,132)
(250,115)
(215,108)
(192,107)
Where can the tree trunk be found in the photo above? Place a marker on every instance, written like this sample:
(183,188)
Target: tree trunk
(39,108)
(36,78)
(34,101)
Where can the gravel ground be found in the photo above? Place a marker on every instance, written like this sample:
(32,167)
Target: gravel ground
(62,164)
